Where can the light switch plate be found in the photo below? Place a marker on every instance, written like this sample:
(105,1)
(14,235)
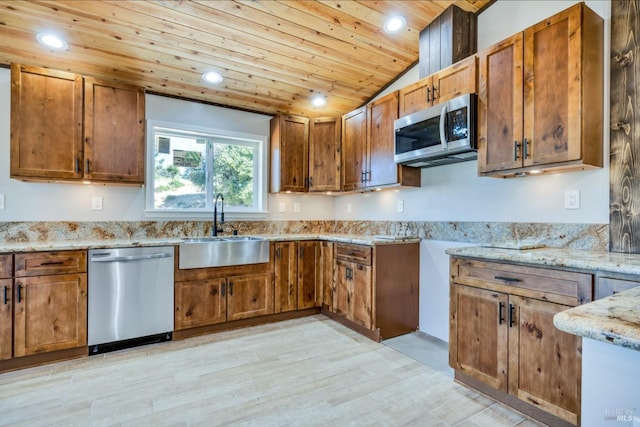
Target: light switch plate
(296,207)
(348,207)
(1,201)
(400,206)
(96,203)
(282,207)
(572,199)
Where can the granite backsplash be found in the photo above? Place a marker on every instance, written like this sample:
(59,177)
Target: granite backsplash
(555,235)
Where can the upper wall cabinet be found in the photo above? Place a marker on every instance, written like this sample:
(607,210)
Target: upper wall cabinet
(113,132)
(289,153)
(325,135)
(457,79)
(540,97)
(46,123)
(47,113)
(368,148)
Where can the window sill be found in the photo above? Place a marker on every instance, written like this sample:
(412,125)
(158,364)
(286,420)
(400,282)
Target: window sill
(208,216)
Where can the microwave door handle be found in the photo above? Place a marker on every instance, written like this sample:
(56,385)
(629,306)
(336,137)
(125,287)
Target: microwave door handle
(443,135)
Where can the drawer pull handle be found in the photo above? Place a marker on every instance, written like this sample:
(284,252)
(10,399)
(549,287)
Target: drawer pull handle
(500,313)
(507,279)
(52,263)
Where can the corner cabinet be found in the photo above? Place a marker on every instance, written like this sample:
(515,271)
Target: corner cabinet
(48,113)
(502,340)
(375,289)
(540,97)
(368,148)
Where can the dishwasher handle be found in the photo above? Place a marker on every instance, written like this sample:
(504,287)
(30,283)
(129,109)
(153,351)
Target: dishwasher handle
(107,258)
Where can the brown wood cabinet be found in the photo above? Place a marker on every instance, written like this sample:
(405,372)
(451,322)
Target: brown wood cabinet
(368,148)
(6,306)
(326,275)
(608,284)
(48,112)
(502,335)
(540,97)
(289,153)
(298,275)
(46,123)
(114,132)
(325,140)
(455,80)
(376,288)
(208,296)
(50,302)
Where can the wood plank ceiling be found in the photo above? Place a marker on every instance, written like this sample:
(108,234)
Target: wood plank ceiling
(274,55)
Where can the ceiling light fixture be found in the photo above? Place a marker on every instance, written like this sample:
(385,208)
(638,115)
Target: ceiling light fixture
(394,24)
(319,101)
(212,77)
(52,41)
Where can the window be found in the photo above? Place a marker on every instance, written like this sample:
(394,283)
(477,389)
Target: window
(188,166)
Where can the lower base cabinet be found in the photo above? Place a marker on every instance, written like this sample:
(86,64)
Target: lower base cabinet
(375,288)
(502,335)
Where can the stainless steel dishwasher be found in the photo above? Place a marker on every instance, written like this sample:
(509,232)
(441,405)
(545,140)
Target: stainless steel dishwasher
(130,297)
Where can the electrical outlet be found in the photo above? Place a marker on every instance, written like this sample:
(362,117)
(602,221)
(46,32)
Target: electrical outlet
(282,207)
(572,199)
(96,203)
(400,206)
(296,207)
(1,201)
(348,207)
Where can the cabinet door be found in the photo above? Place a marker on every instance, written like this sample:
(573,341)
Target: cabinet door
(200,303)
(249,296)
(552,89)
(544,363)
(362,295)
(289,153)
(309,289)
(354,149)
(326,275)
(500,106)
(456,80)
(343,290)
(478,335)
(382,169)
(50,313)
(6,318)
(114,125)
(325,136)
(46,123)
(286,276)
(415,97)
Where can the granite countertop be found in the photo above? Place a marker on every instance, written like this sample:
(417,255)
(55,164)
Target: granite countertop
(615,319)
(170,241)
(552,257)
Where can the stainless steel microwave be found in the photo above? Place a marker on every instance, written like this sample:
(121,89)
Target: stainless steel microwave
(442,134)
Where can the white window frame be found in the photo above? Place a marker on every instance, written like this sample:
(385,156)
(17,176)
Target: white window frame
(260,178)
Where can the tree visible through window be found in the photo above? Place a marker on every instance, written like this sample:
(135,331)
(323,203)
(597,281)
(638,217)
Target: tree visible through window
(190,168)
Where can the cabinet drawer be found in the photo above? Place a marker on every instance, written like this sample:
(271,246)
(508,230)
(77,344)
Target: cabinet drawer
(562,287)
(6,266)
(607,286)
(355,253)
(46,263)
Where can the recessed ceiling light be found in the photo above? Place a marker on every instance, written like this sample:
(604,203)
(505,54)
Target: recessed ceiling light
(319,101)
(212,77)
(52,41)
(394,24)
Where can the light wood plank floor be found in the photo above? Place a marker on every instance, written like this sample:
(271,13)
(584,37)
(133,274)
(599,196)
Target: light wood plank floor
(303,372)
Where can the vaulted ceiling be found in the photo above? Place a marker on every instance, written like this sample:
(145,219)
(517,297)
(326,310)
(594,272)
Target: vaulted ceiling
(274,55)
